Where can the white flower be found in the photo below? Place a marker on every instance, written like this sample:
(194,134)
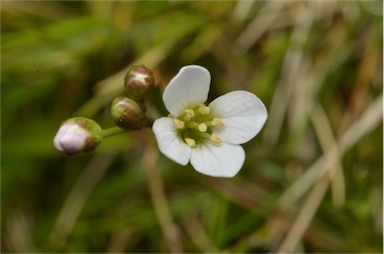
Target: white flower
(207,136)
(76,135)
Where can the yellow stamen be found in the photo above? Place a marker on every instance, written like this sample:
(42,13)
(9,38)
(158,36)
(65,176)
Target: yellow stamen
(170,115)
(189,112)
(215,139)
(179,124)
(190,142)
(193,125)
(203,127)
(217,121)
(204,110)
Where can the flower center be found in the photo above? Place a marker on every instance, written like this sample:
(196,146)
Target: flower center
(195,126)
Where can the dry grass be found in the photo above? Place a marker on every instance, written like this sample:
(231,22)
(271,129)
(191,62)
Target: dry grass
(312,180)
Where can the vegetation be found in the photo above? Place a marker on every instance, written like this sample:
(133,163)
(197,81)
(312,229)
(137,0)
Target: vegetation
(312,180)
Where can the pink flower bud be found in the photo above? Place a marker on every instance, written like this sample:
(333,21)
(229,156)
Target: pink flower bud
(139,82)
(77,135)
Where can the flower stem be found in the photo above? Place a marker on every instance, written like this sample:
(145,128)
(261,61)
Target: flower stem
(112,131)
(146,122)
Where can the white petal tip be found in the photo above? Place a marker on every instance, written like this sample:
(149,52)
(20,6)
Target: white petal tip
(224,160)
(190,86)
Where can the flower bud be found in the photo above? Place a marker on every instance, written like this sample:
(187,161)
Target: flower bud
(139,82)
(78,134)
(125,112)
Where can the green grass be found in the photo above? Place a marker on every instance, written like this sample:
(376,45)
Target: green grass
(312,180)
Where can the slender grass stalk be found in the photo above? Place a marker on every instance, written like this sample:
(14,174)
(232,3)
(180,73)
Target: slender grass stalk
(163,213)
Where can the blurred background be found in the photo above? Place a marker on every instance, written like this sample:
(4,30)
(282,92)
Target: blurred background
(313,177)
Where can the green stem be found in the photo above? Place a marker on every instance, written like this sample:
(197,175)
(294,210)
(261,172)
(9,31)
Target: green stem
(147,122)
(112,131)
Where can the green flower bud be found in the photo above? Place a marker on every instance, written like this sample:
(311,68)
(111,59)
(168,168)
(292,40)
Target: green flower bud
(139,82)
(126,113)
(78,134)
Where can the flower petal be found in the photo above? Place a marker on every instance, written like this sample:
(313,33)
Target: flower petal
(243,114)
(223,160)
(189,87)
(70,138)
(169,143)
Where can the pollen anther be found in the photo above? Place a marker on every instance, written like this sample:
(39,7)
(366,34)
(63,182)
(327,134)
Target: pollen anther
(217,121)
(215,139)
(193,125)
(190,142)
(189,113)
(204,110)
(179,124)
